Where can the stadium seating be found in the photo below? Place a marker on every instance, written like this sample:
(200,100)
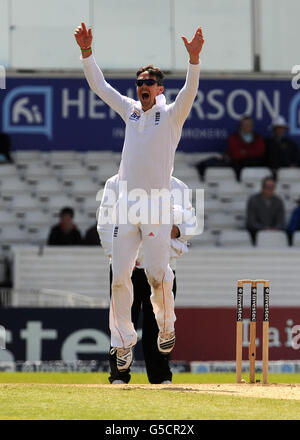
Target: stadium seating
(37,234)
(56,158)
(288,176)
(206,276)
(22,203)
(83,188)
(58,201)
(232,191)
(6,218)
(13,234)
(39,184)
(36,219)
(36,171)
(233,238)
(7,170)
(219,221)
(214,176)
(250,176)
(271,239)
(296,239)
(25,157)
(208,238)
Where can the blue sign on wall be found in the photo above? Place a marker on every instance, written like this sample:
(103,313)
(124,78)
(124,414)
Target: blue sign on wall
(62,113)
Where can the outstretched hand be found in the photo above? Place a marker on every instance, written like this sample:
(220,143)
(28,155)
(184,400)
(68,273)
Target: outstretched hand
(194,46)
(83,36)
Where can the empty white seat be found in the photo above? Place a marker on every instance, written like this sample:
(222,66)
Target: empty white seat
(253,175)
(208,238)
(183,171)
(12,234)
(104,172)
(271,239)
(212,206)
(36,171)
(234,206)
(7,170)
(26,156)
(91,157)
(294,191)
(219,221)
(84,187)
(58,201)
(180,156)
(12,186)
(194,158)
(7,218)
(286,176)
(228,191)
(90,205)
(22,203)
(296,239)
(117,157)
(83,222)
(217,175)
(234,238)
(38,234)
(60,157)
(47,187)
(36,218)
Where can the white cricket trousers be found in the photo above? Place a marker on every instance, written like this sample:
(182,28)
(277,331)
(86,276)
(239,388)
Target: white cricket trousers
(156,245)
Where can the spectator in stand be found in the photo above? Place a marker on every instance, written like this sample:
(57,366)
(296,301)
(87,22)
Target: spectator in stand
(246,148)
(92,237)
(5,146)
(281,151)
(265,210)
(294,222)
(65,233)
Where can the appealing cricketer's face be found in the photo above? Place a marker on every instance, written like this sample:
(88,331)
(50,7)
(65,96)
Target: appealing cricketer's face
(147,94)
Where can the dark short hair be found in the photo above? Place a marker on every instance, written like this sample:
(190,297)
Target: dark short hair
(153,71)
(265,179)
(245,118)
(66,211)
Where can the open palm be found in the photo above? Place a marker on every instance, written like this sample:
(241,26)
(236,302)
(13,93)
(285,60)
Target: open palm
(195,45)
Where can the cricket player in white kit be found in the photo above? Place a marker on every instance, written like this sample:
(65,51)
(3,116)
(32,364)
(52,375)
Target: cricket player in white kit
(153,131)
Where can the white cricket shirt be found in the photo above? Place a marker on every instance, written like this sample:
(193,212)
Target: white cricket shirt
(151,137)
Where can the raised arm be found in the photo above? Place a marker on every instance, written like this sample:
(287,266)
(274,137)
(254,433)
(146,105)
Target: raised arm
(94,76)
(187,94)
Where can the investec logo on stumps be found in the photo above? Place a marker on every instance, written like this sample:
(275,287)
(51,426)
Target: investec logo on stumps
(28,109)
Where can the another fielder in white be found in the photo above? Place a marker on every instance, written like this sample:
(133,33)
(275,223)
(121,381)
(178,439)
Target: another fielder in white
(153,131)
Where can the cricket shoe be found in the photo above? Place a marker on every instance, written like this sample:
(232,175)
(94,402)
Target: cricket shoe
(118,382)
(166,382)
(124,358)
(166,342)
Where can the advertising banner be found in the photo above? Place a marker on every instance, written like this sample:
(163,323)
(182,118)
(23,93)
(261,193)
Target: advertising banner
(63,113)
(202,334)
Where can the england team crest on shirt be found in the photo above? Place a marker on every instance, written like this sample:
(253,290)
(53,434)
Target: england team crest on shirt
(135,115)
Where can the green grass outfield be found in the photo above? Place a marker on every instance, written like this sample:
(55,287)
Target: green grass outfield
(80,396)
